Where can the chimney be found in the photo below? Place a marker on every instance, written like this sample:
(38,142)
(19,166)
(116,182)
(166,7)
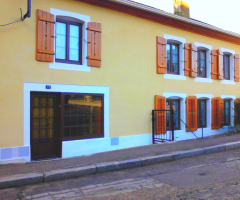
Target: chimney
(181,8)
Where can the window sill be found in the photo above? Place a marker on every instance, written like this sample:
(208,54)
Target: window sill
(66,66)
(203,80)
(177,77)
(230,82)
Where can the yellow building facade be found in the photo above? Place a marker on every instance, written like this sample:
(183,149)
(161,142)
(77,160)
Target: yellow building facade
(66,107)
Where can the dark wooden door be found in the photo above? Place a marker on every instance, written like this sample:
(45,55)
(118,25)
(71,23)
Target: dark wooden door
(45,126)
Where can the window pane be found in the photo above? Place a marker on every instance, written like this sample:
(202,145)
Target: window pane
(60,28)
(175,107)
(175,49)
(74,43)
(175,67)
(61,41)
(60,53)
(74,31)
(73,55)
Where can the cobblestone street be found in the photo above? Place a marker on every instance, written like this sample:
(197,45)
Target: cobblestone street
(214,176)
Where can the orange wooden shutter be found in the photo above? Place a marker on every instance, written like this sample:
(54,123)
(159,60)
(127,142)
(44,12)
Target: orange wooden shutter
(191,113)
(221,107)
(45,36)
(194,61)
(214,64)
(160,104)
(236,67)
(217,113)
(94,44)
(235,113)
(161,55)
(220,64)
(187,59)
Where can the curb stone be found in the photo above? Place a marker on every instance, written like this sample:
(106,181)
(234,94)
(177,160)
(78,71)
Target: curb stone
(54,175)
(59,174)
(24,179)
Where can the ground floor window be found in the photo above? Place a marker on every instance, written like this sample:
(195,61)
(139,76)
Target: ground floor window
(202,116)
(227,117)
(83,116)
(175,105)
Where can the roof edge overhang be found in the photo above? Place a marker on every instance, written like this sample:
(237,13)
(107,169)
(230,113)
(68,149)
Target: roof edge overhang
(165,18)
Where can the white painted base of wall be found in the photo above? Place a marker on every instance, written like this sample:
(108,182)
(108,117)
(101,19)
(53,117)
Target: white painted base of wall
(15,154)
(90,146)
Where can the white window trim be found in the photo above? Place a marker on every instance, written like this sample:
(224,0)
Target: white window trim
(41,87)
(208,61)
(232,97)
(181,42)
(66,66)
(231,52)
(208,97)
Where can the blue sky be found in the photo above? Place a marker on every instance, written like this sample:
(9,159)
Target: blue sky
(224,14)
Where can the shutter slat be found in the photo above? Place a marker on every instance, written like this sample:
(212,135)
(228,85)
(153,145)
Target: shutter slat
(94,44)
(45,36)
(214,64)
(236,67)
(194,61)
(187,59)
(160,104)
(191,113)
(220,64)
(161,55)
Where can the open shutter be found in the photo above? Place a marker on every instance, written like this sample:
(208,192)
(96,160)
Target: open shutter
(217,113)
(194,61)
(94,44)
(191,113)
(236,67)
(221,107)
(161,55)
(45,36)
(160,104)
(214,64)
(187,59)
(220,64)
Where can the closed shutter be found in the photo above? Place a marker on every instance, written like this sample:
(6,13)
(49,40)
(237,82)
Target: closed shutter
(187,59)
(220,64)
(217,113)
(194,61)
(161,55)
(214,64)
(191,113)
(236,67)
(94,44)
(45,36)
(160,116)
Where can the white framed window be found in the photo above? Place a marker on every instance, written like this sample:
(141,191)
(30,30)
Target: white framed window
(75,18)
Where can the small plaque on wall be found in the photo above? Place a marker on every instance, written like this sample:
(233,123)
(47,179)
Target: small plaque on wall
(48,86)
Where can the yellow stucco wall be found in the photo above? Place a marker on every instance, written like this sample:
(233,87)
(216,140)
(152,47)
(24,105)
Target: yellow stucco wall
(128,67)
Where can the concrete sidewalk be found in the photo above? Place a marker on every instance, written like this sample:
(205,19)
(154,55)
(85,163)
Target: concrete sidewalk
(12,175)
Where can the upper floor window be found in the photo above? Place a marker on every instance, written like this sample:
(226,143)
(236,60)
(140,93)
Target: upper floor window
(202,64)
(172,58)
(226,66)
(68,41)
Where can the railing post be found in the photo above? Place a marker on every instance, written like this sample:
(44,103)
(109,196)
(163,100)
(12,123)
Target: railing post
(172,124)
(153,120)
